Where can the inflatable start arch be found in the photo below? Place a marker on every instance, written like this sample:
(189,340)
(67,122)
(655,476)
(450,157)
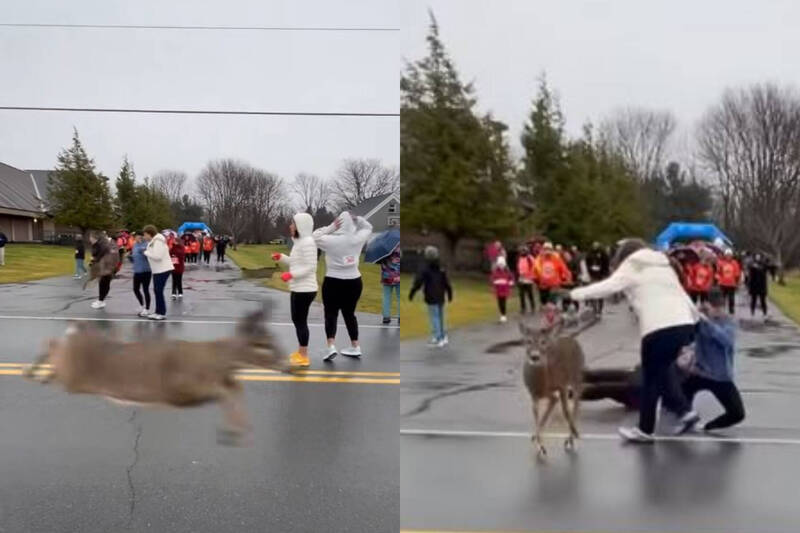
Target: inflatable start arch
(193,226)
(687,231)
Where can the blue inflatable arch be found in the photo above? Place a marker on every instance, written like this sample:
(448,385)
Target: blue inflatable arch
(685,231)
(193,226)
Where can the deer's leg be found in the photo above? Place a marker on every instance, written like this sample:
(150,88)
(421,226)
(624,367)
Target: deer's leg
(569,443)
(30,372)
(541,423)
(237,425)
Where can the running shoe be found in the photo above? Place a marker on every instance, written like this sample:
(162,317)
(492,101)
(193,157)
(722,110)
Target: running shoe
(330,353)
(433,343)
(688,422)
(174,296)
(144,312)
(180,296)
(156,316)
(446,340)
(353,351)
(299,360)
(387,320)
(98,304)
(503,319)
(636,435)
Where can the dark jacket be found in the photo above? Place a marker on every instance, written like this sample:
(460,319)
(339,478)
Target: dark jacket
(597,263)
(221,245)
(757,277)
(435,284)
(99,249)
(80,250)
(178,254)
(3,239)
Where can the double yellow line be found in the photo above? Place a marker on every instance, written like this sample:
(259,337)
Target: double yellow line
(307,376)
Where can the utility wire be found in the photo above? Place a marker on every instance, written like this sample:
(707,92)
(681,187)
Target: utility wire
(196,111)
(222,28)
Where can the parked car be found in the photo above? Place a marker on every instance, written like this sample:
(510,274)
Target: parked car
(278,241)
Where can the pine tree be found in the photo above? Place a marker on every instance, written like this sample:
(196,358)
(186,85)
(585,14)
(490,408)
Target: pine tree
(126,196)
(79,195)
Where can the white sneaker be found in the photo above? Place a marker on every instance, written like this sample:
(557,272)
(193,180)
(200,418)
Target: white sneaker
(180,296)
(635,434)
(156,316)
(144,312)
(352,351)
(98,304)
(446,340)
(503,319)
(442,343)
(174,296)
(330,353)
(433,343)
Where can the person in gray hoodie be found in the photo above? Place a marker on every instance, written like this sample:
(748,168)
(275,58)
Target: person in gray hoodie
(342,243)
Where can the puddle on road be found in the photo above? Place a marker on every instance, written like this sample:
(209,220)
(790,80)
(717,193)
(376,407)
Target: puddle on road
(770,351)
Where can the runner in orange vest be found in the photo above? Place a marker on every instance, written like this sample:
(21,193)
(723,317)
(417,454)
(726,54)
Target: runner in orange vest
(208,247)
(729,273)
(195,250)
(701,277)
(550,272)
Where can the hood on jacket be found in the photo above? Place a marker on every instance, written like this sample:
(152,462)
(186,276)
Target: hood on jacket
(347,226)
(304,224)
(159,237)
(647,257)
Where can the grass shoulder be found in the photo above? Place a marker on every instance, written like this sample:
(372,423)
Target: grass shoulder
(29,262)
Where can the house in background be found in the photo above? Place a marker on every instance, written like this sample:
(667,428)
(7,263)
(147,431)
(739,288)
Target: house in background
(22,208)
(383,211)
(52,231)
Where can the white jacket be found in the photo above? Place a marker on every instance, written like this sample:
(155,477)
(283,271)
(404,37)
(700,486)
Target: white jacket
(652,289)
(302,260)
(157,254)
(343,246)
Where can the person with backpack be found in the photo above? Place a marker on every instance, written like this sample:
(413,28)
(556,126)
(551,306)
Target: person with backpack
(141,275)
(390,280)
(436,285)
(729,274)
(550,272)
(342,242)
(160,262)
(525,279)
(502,280)
(80,256)
(178,257)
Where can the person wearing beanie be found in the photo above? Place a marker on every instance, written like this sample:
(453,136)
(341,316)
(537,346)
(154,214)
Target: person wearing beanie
(502,280)
(435,284)
(729,274)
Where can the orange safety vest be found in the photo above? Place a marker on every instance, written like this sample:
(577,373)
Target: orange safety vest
(195,247)
(208,244)
(728,272)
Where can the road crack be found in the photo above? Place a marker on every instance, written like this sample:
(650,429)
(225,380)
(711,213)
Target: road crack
(427,402)
(129,469)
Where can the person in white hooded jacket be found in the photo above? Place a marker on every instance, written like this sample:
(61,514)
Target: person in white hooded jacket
(157,254)
(667,319)
(342,243)
(302,279)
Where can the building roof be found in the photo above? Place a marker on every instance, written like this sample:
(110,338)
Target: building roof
(40,178)
(18,191)
(368,207)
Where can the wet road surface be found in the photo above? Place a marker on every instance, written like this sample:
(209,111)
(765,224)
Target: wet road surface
(468,464)
(324,455)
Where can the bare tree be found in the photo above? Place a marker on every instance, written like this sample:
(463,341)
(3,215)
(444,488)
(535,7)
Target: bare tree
(226,188)
(750,142)
(312,193)
(268,201)
(172,183)
(641,137)
(360,179)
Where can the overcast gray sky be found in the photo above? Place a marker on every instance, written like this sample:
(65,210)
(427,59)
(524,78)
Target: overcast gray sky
(234,70)
(600,55)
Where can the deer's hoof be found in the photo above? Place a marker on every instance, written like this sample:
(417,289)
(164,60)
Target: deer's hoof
(569,444)
(541,452)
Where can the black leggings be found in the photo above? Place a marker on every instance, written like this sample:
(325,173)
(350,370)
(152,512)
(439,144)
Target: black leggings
(725,392)
(544,296)
(501,304)
(206,256)
(762,298)
(105,286)
(177,283)
(300,303)
(341,295)
(526,293)
(142,280)
(730,296)
(702,296)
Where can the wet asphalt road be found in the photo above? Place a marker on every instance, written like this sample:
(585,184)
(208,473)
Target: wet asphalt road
(468,465)
(324,455)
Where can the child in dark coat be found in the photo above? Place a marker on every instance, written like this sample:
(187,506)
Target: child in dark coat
(435,284)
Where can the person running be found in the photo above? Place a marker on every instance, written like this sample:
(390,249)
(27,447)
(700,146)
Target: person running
(208,247)
(342,242)
(597,263)
(302,279)
(160,262)
(701,277)
(435,284)
(757,283)
(121,243)
(104,256)
(502,280)
(729,274)
(178,256)
(494,250)
(141,275)
(525,278)
(195,250)
(80,257)
(550,272)
(221,245)
(3,241)
(666,318)
(390,280)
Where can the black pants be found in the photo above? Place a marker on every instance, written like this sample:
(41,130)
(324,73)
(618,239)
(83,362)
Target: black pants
(702,296)
(299,303)
(762,298)
(526,293)
(177,283)
(730,296)
(220,256)
(105,286)
(660,349)
(206,256)
(341,295)
(544,296)
(501,304)
(141,280)
(725,392)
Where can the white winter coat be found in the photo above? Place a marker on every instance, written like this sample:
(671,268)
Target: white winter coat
(302,260)
(157,254)
(343,246)
(652,289)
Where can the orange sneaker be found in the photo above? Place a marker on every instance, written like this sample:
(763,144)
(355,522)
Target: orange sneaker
(299,360)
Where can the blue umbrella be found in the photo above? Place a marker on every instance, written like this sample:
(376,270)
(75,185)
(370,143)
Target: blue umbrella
(382,245)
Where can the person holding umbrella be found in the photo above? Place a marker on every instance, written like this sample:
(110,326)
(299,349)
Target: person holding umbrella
(384,249)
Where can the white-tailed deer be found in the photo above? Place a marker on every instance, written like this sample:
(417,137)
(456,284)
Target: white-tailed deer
(552,371)
(166,372)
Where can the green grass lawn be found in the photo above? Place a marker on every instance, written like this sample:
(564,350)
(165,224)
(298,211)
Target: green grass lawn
(27,262)
(253,256)
(787,297)
(473,303)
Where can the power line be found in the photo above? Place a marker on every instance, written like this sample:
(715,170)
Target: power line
(197,111)
(221,28)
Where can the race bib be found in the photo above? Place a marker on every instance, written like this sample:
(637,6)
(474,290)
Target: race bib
(349,259)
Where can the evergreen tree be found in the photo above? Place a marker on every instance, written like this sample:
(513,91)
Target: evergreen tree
(79,195)
(126,196)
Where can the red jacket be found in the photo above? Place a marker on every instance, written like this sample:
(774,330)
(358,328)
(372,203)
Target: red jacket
(728,272)
(208,244)
(701,277)
(178,255)
(550,271)
(502,280)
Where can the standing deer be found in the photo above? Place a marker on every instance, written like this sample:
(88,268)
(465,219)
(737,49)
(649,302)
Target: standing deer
(552,371)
